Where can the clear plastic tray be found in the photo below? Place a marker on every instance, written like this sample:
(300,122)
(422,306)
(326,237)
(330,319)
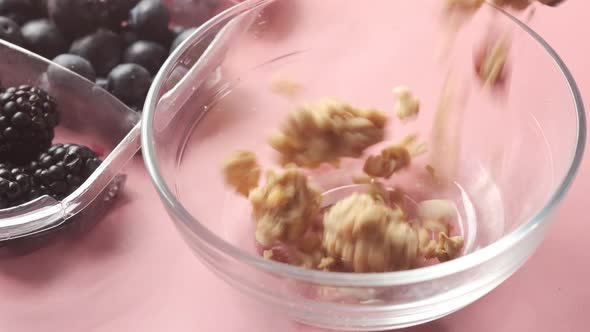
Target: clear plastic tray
(90,116)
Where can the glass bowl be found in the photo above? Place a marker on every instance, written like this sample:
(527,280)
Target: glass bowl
(508,153)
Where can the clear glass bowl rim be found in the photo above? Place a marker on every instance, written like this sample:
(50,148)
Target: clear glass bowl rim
(351,279)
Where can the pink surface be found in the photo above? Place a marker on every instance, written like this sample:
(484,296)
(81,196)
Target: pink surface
(133,273)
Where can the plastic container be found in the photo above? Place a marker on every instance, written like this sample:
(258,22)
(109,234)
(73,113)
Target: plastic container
(90,116)
(511,153)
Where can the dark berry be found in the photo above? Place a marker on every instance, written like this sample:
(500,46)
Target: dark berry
(77,64)
(130,83)
(63,168)
(148,54)
(180,38)
(195,12)
(102,83)
(204,10)
(150,18)
(103,49)
(28,116)
(76,17)
(43,37)
(19,11)
(129,37)
(39,8)
(17,187)
(166,38)
(10,31)
(116,12)
(177,30)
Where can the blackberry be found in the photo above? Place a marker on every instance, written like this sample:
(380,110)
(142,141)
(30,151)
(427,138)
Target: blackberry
(10,31)
(103,49)
(43,37)
(148,54)
(19,11)
(17,187)
(77,64)
(130,83)
(63,168)
(28,116)
(150,18)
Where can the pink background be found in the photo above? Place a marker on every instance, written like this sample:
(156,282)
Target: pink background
(133,273)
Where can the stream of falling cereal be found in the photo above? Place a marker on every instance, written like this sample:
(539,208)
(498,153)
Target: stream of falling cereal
(445,135)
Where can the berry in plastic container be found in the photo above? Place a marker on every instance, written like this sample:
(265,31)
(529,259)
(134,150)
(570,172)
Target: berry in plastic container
(106,136)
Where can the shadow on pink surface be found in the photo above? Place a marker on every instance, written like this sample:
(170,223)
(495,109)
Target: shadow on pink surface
(40,259)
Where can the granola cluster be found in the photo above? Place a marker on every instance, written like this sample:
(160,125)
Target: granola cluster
(407,105)
(393,158)
(369,231)
(285,207)
(326,131)
(242,171)
(369,236)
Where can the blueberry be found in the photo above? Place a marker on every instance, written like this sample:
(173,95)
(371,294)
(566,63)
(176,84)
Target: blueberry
(116,12)
(148,54)
(181,37)
(204,10)
(129,37)
(77,17)
(39,8)
(150,18)
(195,12)
(102,83)
(80,17)
(103,49)
(77,64)
(44,38)
(130,83)
(177,30)
(19,11)
(10,31)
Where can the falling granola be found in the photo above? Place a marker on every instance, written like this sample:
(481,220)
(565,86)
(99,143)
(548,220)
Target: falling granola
(326,131)
(285,207)
(514,4)
(286,87)
(470,5)
(407,106)
(368,231)
(242,171)
(491,61)
(393,158)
